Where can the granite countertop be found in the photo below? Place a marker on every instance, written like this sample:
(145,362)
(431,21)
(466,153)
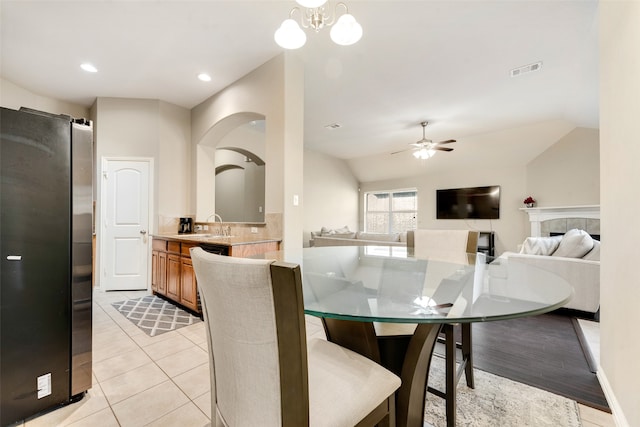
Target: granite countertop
(217,240)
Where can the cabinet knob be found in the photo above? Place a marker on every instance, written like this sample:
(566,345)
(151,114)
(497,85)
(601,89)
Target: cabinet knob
(143,231)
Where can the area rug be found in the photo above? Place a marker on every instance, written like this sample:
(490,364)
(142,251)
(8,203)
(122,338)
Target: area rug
(155,316)
(498,401)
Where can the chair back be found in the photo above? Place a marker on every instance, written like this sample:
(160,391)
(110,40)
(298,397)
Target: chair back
(257,340)
(444,245)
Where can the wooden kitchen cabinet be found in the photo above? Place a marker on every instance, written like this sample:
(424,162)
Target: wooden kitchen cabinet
(173,277)
(159,266)
(188,285)
(172,274)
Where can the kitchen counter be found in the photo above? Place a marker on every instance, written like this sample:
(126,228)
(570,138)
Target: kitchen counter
(215,240)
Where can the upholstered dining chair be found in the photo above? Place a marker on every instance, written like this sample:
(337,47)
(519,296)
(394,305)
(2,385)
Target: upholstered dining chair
(263,370)
(450,246)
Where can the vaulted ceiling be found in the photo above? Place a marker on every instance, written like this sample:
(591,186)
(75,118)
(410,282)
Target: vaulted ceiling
(446,62)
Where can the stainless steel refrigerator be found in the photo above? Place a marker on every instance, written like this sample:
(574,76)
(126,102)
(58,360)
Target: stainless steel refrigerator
(46,215)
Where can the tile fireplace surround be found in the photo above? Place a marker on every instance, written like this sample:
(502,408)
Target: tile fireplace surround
(545,220)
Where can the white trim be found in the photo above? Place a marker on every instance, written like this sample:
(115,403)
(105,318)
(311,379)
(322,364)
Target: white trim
(538,215)
(618,416)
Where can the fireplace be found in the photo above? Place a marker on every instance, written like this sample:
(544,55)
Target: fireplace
(545,221)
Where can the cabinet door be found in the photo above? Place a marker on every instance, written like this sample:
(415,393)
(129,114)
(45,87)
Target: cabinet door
(161,273)
(188,285)
(154,271)
(173,277)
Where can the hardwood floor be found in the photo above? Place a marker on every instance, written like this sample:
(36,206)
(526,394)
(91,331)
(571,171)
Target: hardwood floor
(542,351)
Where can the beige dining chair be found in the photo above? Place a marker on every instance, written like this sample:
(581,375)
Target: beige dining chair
(448,246)
(263,370)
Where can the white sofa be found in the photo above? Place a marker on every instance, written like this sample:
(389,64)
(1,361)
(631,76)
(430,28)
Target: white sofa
(575,257)
(344,237)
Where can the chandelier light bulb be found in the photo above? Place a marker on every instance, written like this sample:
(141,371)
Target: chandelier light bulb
(311,4)
(290,35)
(346,31)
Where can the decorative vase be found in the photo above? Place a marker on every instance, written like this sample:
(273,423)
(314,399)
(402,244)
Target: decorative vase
(530,205)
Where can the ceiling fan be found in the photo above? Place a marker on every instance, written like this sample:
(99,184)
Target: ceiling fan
(426,148)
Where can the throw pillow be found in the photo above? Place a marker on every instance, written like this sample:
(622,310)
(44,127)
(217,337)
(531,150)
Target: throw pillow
(540,245)
(342,230)
(593,254)
(574,244)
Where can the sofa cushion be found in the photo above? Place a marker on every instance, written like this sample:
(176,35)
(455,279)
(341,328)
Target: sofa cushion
(540,245)
(380,237)
(349,235)
(574,244)
(593,254)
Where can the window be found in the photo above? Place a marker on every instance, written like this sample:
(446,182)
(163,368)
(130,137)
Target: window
(390,211)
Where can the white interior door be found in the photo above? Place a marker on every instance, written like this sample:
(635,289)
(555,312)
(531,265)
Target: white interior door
(125,224)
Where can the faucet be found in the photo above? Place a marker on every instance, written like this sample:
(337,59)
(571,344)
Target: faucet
(217,217)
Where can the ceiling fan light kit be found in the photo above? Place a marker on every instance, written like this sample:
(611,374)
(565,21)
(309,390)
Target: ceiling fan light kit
(345,30)
(426,148)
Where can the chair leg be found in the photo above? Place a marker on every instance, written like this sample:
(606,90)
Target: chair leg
(451,374)
(467,354)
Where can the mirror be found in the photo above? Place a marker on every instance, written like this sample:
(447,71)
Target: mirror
(240,174)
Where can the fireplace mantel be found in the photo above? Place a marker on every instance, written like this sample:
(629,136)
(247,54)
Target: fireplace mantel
(539,214)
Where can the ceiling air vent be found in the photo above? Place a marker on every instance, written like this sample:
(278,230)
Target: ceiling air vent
(526,69)
(333,126)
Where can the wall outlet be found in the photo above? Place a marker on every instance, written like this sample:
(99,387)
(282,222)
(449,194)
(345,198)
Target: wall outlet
(44,385)
(205,227)
(254,229)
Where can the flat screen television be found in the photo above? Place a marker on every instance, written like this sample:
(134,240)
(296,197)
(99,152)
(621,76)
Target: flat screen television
(468,203)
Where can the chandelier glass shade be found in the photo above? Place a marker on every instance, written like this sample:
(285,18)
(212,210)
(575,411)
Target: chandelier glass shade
(345,30)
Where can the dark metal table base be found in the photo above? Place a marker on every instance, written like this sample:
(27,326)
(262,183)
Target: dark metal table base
(409,356)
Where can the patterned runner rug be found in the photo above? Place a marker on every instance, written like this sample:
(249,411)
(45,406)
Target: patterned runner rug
(154,315)
(498,401)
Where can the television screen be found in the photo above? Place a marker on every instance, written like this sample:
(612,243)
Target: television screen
(468,203)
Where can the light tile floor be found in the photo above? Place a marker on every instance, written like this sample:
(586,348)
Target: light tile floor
(161,381)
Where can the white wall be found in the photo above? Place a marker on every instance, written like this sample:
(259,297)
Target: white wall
(510,229)
(620,204)
(330,194)
(14,96)
(129,128)
(275,91)
(568,172)
(153,129)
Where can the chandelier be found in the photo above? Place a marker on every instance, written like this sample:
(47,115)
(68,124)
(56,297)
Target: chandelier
(345,30)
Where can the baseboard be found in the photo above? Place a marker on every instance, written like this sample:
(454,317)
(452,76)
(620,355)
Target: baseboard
(591,361)
(616,410)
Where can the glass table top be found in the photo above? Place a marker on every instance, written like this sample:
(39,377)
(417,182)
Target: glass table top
(385,284)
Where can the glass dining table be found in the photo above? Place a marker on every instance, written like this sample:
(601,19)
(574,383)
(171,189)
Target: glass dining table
(359,291)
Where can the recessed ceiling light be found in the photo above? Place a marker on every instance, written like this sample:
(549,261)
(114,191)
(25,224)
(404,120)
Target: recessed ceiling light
(204,77)
(89,67)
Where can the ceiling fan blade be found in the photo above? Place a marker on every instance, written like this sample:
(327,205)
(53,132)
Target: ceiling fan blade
(442,148)
(402,151)
(448,141)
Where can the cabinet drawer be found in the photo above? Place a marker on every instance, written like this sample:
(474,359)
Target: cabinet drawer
(159,245)
(184,251)
(173,247)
